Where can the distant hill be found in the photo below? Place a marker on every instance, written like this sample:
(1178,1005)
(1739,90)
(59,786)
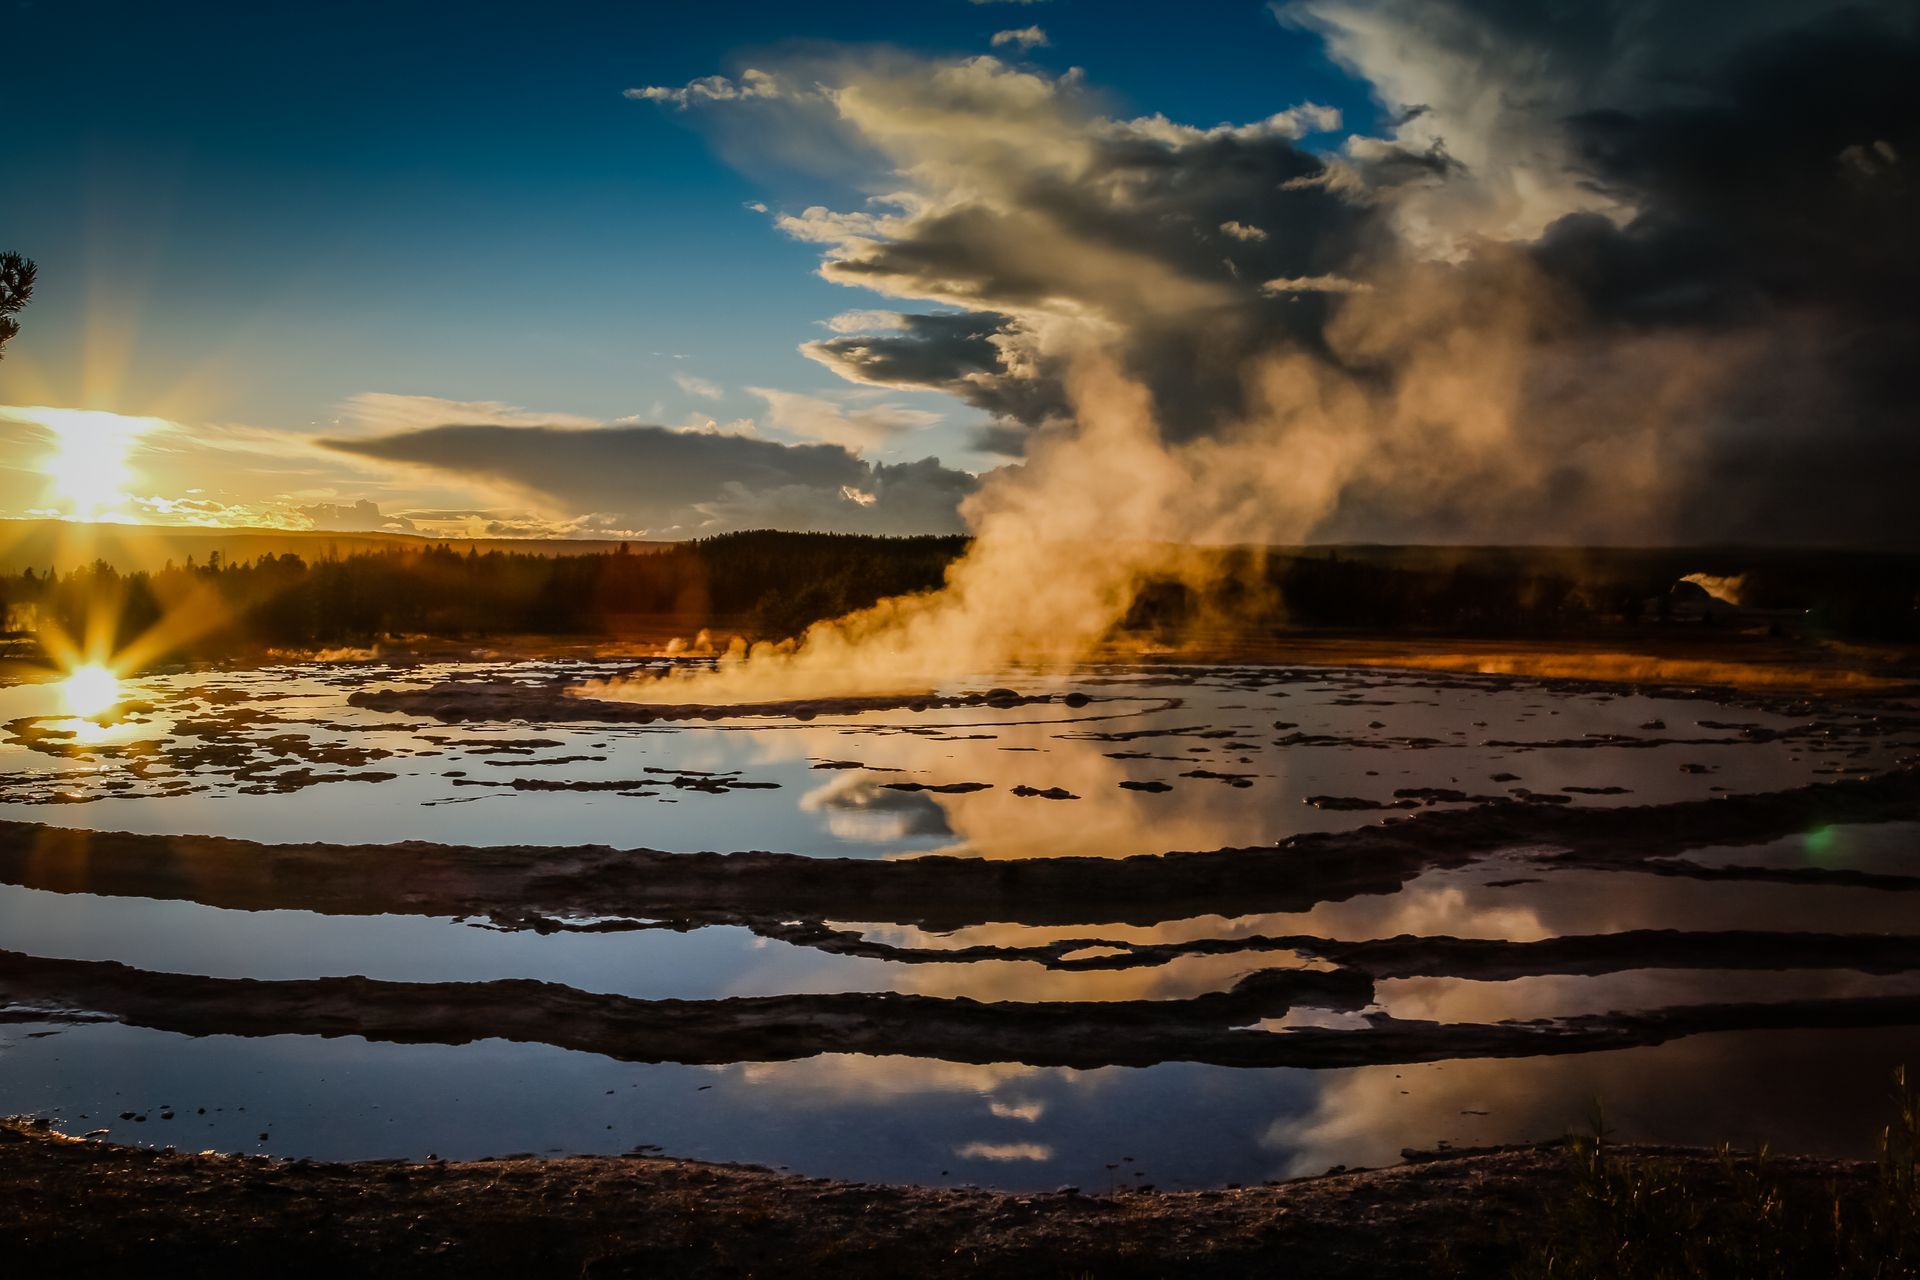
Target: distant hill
(65,545)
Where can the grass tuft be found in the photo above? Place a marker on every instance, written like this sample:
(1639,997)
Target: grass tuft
(1631,1217)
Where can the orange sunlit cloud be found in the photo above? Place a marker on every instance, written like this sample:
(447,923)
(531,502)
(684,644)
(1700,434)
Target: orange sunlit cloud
(90,465)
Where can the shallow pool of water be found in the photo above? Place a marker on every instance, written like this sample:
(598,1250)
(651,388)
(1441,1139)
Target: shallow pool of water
(1232,756)
(1156,760)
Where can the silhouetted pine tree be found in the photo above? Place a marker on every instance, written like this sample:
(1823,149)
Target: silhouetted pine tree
(16,287)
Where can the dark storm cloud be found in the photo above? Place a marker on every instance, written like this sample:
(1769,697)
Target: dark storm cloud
(649,478)
(1615,270)
(1722,187)
(1214,217)
(937,350)
(1780,199)
(961,355)
(1790,183)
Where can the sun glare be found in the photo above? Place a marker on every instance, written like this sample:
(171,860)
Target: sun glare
(88,468)
(90,690)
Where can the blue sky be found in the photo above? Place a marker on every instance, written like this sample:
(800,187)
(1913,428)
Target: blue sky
(280,206)
(262,228)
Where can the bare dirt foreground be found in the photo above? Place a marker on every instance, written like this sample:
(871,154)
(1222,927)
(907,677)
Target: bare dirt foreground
(70,1207)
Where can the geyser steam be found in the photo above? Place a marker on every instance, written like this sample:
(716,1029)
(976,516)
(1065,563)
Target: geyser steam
(1636,280)
(1060,549)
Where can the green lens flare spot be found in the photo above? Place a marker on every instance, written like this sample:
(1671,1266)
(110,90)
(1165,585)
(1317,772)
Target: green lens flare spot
(1822,846)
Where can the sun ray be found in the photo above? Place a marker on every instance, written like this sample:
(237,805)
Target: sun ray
(196,613)
(96,664)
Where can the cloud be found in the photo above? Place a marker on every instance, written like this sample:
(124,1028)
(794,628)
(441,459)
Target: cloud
(1620,273)
(1021,38)
(866,321)
(358,517)
(1037,220)
(1490,89)
(1315,284)
(701,387)
(240,475)
(1685,180)
(192,511)
(653,481)
(964,355)
(702,425)
(383,411)
(1294,122)
(856,429)
(751,84)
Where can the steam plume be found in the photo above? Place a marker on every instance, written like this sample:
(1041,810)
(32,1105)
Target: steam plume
(1602,287)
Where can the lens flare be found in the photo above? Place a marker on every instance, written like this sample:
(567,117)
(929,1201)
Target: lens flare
(1821,850)
(90,690)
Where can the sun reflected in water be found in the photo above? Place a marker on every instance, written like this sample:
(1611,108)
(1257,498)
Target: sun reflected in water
(90,690)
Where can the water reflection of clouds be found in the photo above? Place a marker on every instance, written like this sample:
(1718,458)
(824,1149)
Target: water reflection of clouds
(860,806)
(1362,721)
(1010,1123)
(184,937)
(1575,995)
(1003,1151)
(897,1118)
(1819,1092)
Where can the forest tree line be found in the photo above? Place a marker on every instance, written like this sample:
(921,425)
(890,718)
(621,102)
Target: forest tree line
(776,584)
(764,583)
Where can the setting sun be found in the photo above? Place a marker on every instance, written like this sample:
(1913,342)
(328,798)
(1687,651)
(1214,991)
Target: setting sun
(90,690)
(88,467)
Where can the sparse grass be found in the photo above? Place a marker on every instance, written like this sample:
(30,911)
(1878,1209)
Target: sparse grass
(1634,1218)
